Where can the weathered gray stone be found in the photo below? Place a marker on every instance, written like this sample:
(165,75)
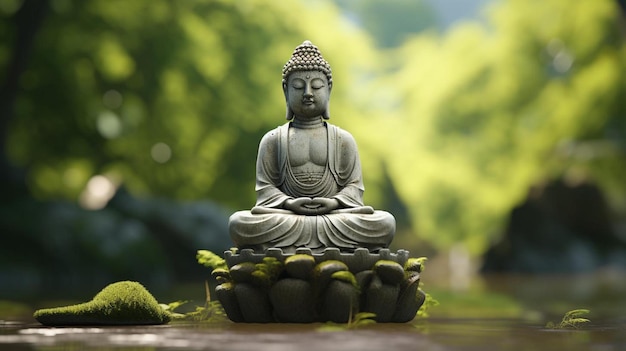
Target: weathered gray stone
(330,253)
(309,184)
(291,299)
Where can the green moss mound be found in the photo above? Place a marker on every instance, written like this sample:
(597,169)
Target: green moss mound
(121,303)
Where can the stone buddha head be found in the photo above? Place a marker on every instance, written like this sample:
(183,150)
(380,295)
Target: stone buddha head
(307,82)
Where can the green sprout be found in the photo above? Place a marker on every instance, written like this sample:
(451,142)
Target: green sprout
(571,320)
(211,260)
(429,302)
(212,311)
(360,319)
(355,321)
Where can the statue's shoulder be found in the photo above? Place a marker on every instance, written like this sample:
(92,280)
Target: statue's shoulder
(274,135)
(339,131)
(342,135)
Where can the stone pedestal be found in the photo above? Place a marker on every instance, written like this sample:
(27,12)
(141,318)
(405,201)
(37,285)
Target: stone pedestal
(310,287)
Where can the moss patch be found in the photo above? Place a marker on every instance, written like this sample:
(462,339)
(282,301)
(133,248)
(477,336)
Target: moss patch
(121,303)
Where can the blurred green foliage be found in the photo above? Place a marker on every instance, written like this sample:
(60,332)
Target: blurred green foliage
(109,81)
(483,112)
(170,98)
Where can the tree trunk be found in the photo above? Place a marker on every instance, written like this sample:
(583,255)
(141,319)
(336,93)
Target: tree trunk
(26,23)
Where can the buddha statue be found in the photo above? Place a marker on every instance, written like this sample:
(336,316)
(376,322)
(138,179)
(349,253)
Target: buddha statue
(309,185)
(310,250)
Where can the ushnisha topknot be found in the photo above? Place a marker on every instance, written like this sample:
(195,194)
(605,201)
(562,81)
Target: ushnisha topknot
(307,57)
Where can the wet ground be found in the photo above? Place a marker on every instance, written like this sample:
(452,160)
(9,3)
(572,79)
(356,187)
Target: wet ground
(434,334)
(495,313)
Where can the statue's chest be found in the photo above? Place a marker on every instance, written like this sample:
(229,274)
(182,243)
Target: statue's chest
(308,146)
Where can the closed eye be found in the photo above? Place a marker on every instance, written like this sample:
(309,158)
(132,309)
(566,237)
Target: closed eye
(317,84)
(297,84)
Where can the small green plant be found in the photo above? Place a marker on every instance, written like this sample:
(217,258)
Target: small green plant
(212,311)
(355,321)
(422,262)
(360,319)
(171,307)
(211,260)
(571,320)
(429,302)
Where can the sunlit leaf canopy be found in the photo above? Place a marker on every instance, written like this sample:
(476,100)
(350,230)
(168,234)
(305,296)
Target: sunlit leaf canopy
(489,110)
(170,99)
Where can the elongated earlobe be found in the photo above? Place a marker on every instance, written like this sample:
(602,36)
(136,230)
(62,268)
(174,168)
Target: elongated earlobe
(326,114)
(289,114)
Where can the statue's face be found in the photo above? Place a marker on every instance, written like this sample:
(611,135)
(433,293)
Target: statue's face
(307,93)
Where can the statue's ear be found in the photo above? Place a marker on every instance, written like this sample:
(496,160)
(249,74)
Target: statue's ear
(289,114)
(326,114)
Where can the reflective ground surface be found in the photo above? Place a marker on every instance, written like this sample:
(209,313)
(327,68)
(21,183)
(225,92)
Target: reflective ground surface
(491,313)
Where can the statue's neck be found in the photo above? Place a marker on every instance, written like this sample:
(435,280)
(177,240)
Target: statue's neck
(307,123)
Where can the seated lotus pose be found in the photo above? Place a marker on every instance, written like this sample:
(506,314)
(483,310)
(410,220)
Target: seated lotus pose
(308,175)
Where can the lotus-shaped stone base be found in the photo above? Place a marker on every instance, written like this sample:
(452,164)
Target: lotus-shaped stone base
(330,286)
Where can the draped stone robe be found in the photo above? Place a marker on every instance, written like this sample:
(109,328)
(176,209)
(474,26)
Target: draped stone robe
(269,224)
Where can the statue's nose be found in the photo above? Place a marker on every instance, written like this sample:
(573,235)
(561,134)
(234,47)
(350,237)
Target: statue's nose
(308,92)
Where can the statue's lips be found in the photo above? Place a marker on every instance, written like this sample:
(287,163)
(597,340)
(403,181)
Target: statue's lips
(308,102)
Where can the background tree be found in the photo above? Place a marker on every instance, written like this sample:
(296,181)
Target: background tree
(484,112)
(167,98)
(170,99)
